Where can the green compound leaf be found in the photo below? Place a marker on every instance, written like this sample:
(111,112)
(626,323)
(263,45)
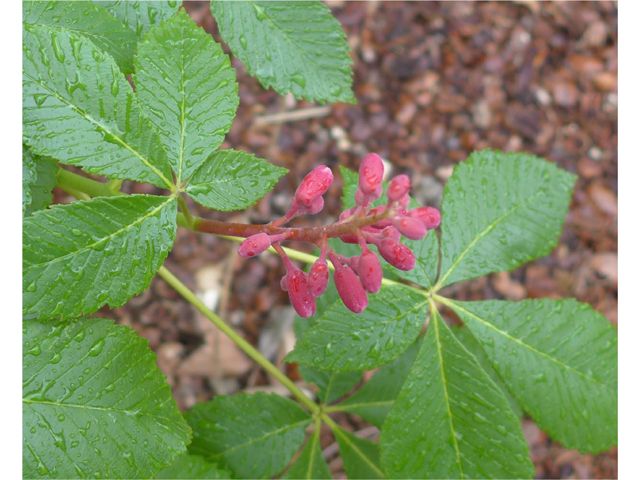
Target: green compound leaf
(331,385)
(559,358)
(373,401)
(188,466)
(466,338)
(94,404)
(186,85)
(80,109)
(310,464)
(361,457)
(345,341)
(450,420)
(80,256)
(38,179)
(140,16)
(499,211)
(90,20)
(254,436)
(295,47)
(232,180)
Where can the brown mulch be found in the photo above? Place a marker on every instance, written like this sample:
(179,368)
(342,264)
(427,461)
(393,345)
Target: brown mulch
(434,82)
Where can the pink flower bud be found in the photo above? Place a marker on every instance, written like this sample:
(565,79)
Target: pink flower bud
(347,213)
(283,283)
(297,285)
(371,173)
(428,215)
(359,197)
(254,245)
(398,187)
(392,233)
(370,271)
(377,210)
(397,254)
(316,206)
(404,201)
(314,185)
(349,238)
(318,277)
(350,289)
(410,227)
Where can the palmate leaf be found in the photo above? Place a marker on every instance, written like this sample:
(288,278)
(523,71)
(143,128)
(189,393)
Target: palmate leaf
(79,109)
(90,20)
(232,180)
(188,466)
(80,256)
(331,385)
(254,436)
(38,179)
(310,464)
(450,420)
(295,47)
(186,85)
(140,16)
(361,457)
(94,404)
(499,211)
(559,359)
(373,401)
(346,341)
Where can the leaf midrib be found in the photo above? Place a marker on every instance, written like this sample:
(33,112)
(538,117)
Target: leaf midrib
(456,306)
(256,439)
(446,391)
(107,238)
(104,128)
(481,235)
(360,453)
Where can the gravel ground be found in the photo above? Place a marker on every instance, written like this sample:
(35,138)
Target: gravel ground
(434,82)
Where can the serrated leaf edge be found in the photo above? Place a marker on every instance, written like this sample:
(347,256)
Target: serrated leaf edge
(455,306)
(103,239)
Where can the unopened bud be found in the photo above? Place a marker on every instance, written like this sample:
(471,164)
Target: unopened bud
(410,227)
(397,254)
(318,277)
(398,187)
(370,271)
(301,299)
(428,215)
(350,289)
(359,197)
(314,185)
(391,232)
(316,206)
(349,238)
(404,201)
(254,245)
(371,173)
(283,283)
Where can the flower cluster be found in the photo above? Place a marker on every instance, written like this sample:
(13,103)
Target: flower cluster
(363,225)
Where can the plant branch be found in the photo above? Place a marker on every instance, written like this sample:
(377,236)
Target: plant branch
(191,297)
(201,225)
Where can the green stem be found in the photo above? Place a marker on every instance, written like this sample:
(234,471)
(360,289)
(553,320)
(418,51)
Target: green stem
(67,179)
(185,211)
(183,290)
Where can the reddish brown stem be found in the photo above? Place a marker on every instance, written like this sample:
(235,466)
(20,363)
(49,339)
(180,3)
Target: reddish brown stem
(310,234)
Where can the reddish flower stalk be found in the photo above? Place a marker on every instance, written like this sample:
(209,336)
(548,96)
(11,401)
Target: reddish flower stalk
(381,226)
